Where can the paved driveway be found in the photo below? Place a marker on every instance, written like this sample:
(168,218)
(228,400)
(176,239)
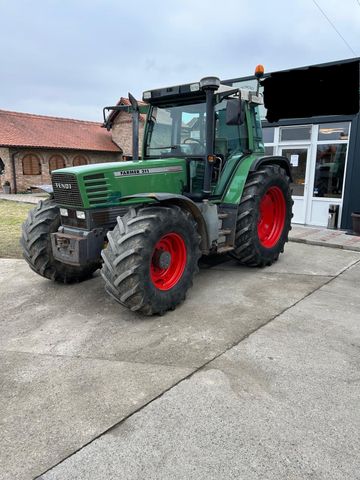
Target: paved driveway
(74,364)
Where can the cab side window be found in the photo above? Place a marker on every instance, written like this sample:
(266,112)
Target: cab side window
(229,139)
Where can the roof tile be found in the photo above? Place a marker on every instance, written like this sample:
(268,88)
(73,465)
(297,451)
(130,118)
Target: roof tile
(29,130)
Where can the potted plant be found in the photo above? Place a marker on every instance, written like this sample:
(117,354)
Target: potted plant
(356,222)
(7,187)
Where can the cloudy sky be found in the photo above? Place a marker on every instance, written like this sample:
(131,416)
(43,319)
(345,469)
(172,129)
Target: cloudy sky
(72,57)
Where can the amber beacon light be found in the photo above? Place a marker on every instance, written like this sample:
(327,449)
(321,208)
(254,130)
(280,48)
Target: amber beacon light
(259,71)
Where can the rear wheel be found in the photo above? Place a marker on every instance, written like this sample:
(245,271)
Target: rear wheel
(264,217)
(151,258)
(35,240)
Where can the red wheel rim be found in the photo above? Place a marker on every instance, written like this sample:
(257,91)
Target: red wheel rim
(168,261)
(271,217)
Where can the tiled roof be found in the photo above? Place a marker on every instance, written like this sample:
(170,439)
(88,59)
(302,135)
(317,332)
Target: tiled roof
(28,130)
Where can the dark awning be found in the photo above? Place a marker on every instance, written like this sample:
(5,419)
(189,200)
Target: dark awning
(331,89)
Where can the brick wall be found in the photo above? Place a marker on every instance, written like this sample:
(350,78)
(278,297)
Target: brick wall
(122,132)
(25,181)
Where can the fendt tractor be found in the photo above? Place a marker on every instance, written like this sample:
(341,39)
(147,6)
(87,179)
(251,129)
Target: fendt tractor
(202,186)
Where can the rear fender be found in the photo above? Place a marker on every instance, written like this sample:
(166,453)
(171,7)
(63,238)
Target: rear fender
(249,164)
(283,162)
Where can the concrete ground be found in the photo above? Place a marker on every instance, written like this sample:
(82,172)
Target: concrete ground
(255,376)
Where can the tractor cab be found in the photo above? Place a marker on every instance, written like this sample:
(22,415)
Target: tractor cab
(206,123)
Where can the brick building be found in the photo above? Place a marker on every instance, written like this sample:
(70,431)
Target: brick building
(121,128)
(31,146)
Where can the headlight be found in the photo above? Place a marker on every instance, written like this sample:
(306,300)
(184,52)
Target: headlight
(80,214)
(146,95)
(64,212)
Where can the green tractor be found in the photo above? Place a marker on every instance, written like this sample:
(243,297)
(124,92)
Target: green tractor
(203,186)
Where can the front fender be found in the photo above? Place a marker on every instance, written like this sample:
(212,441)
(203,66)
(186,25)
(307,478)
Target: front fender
(45,188)
(184,203)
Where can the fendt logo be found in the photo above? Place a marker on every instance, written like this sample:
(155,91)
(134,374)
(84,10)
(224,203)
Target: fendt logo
(65,186)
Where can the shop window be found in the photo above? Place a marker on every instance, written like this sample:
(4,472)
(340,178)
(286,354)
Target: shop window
(79,160)
(329,170)
(55,162)
(268,134)
(31,164)
(334,131)
(291,134)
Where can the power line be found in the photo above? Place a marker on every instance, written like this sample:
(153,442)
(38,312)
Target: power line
(336,30)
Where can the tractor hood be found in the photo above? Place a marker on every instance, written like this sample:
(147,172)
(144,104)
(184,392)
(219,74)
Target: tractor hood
(105,184)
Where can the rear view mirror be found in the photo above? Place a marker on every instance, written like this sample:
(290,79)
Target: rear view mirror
(234,112)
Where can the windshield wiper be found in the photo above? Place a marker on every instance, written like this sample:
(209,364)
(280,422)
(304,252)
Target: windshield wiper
(173,147)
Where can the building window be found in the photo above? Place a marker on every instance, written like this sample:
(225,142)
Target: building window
(79,160)
(55,162)
(31,164)
(334,131)
(291,134)
(329,170)
(268,134)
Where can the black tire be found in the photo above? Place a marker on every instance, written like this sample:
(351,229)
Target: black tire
(249,249)
(129,255)
(35,240)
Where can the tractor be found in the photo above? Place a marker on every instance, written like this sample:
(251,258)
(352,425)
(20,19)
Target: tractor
(202,186)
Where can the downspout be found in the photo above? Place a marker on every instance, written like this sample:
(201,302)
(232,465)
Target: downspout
(13,169)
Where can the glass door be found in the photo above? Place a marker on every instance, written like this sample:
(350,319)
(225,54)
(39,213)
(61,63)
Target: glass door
(299,158)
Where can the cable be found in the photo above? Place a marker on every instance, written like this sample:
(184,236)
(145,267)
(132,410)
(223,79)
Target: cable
(336,30)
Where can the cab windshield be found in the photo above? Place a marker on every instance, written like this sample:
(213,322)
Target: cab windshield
(179,131)
(176,131)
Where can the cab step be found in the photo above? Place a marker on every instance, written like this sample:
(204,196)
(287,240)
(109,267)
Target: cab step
(225,249)
(224,231)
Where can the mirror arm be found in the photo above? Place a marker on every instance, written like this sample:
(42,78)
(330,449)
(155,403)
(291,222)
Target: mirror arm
(221,96)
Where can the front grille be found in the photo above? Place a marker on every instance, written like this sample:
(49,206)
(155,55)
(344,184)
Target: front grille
(108,216)
(66,189)
(104,218)
(96,189)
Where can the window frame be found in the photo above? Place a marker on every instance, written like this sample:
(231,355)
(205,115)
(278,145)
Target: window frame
(80,164)
(34,157)
(56,155)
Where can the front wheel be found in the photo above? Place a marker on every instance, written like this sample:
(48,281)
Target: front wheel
(264,217)
(35,240)
(151,258)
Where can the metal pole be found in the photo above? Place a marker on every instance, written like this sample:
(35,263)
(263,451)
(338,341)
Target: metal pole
(135,134)
(209,140)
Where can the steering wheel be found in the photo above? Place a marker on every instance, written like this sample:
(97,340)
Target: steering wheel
(194,140)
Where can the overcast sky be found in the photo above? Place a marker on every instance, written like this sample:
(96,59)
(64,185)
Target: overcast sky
(72,57)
